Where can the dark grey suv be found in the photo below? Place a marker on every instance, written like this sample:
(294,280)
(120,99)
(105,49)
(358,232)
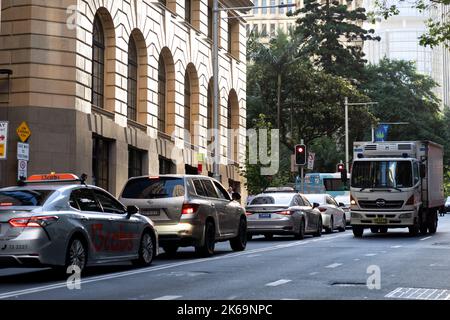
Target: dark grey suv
(188,210)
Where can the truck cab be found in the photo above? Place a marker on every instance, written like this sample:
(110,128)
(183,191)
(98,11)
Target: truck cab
(396,185)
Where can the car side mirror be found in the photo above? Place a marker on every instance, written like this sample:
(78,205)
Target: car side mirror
(341,204)
(316,205)
(236,196)
(131,210)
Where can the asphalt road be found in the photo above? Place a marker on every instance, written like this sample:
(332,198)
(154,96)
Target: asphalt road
(335,266)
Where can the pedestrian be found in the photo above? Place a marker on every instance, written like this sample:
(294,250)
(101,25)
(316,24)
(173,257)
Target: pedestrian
(230,191)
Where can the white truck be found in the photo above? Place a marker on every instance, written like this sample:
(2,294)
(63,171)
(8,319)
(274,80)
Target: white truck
(396,184)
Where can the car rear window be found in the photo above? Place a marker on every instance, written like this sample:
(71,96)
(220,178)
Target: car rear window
(154,188)
(315,198)
(279,200)
(24,198)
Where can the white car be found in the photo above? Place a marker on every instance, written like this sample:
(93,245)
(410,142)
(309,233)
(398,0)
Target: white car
(345,200)
(333,216)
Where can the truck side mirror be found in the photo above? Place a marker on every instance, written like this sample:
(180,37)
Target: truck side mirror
(423,171)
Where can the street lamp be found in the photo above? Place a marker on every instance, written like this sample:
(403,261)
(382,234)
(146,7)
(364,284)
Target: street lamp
(215,62)
(346,103)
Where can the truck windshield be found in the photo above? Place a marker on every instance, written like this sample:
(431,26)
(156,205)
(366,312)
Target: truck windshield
(382,174)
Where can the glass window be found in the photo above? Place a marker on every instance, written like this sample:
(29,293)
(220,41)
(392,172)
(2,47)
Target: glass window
(278,199)
(333,184)
(382,174)
(272,29)
(132,80)
(318,198)
(161,94)
(273,9)
(108,203)
(85,200)
(187,102)
(187,10)
(306,202)
(223,194)
(209,188)
(281,9)
(210,98)
(264,30)
(135,160)
(24,198)
(199,188)
(255,10)
(264,4)
(154,188)
(166,166)
(100,162)
(210,20)
(416,173)
(98,64)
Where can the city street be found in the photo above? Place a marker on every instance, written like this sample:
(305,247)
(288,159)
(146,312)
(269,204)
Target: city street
(335,266)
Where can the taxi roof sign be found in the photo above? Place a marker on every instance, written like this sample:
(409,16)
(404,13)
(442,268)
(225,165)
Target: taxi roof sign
(53,177)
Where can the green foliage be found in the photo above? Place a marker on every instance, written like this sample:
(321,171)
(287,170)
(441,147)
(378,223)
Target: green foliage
(331,35)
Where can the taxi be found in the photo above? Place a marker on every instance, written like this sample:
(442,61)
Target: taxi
(58,220)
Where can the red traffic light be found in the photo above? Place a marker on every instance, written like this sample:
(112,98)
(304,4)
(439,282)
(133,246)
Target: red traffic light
(340,167)
(300,149)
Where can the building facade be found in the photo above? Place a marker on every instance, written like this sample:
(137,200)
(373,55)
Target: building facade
(116,89)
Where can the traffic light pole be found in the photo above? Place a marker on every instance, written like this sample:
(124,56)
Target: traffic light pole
(302,183)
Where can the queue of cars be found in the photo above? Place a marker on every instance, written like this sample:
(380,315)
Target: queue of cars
(57,220)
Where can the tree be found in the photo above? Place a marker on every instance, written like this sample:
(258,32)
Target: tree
(438,29)
(405,95)
(331,35)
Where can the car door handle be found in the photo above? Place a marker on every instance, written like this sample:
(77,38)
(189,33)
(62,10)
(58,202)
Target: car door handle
(213,205)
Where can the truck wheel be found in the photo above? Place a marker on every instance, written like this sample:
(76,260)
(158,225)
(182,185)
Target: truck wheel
(432,224)
(358,231)
(383,229)
(414,230)
(374,229)
(423,228)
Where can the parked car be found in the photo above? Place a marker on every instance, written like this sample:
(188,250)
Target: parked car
(56,220)
(344,203)
(333,215)
(189,210)
(283,213)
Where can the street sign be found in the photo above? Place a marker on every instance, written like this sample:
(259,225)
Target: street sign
(3,139)
(23,151)
(23,131)
(22,168)
(311,158)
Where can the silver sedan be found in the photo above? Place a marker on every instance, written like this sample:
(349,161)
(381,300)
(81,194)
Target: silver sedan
(333,215)
(61,224)
(283,213)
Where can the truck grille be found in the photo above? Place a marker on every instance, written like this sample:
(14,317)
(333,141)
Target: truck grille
(373,204)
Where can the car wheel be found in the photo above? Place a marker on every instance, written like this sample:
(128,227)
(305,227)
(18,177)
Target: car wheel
(301,231)
(330,228)
(209,243)
(240,241)
(357,231)
(76,254)
(268,236)
(318,233)
(343,226)
(170,249)
(146,251)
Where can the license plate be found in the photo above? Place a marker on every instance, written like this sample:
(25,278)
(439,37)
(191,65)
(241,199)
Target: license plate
(380,220)
(150,213)
(265,215)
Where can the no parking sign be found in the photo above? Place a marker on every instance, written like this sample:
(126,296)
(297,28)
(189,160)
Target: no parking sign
(22,169)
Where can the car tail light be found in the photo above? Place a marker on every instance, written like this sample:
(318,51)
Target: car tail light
(248,213)
(32,222)
(410,201)
(285,213)
(6,204)
(189,208)
(322,209)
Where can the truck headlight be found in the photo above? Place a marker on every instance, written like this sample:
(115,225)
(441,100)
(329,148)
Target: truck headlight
(405,215)
(355,215)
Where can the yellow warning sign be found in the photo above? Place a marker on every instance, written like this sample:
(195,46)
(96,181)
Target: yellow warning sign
(23,131)
(2,150)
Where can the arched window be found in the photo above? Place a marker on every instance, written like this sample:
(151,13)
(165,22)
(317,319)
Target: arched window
(132,80)
(162,78)
(187,102)
(98,64)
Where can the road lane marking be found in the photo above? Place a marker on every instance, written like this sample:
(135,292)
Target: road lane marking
(253,255)
(334,265)
(396,247)
(356,259)
(419,294)
(313,273)
(278,283)
(168,298)
(370,254)
(11,294)
(426,238)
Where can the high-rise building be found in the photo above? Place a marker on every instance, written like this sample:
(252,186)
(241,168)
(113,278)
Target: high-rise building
(122,88)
